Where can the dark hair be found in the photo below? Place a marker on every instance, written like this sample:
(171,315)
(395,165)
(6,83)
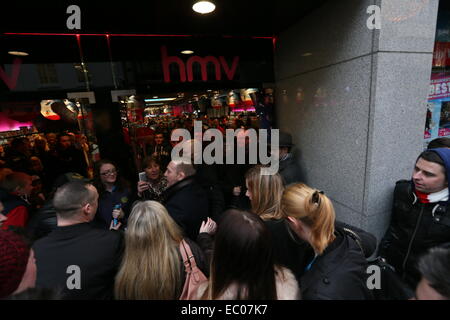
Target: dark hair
(70,198)
(17,143)
(63,134)
(439,143)
(151,159)
(243,255)
(434,267)
(14,180)
(432,156)
(121,183)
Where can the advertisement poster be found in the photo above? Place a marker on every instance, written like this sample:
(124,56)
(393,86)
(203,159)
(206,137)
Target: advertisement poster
(437,123)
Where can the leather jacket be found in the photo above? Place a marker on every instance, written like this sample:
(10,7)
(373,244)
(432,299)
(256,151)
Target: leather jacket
(414,228)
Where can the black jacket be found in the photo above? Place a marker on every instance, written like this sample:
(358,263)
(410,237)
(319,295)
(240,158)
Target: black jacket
(289,250)
(207,176)
(340,273)
(414,228)
(96,252)
(43,221)
(290,171)
(187,203)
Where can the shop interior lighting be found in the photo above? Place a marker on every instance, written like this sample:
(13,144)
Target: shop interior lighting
(204,7)
(154,104)
(187,52)
(18,53)
(159,99)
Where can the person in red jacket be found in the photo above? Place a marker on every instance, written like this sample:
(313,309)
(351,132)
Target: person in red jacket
(14,190)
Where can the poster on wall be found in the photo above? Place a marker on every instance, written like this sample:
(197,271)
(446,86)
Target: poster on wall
(437,121)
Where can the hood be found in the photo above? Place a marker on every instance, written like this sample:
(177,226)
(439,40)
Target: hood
(444,154)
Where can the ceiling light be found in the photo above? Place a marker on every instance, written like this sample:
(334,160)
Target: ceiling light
(18,53)
(155,97)
(187,52)
(204,7)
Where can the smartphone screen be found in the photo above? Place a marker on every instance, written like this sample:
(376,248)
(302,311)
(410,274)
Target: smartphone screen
(142,176)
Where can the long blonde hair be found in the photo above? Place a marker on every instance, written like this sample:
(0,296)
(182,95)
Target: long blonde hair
(266,193)
(151,266)
(312,208)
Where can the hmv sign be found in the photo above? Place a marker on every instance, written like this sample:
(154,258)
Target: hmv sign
(185,68)
(182,69)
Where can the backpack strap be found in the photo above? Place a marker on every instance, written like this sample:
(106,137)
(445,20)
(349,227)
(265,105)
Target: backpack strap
(355,237)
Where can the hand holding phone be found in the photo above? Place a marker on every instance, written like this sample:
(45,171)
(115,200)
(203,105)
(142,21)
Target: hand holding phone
(142,176)
(116,214)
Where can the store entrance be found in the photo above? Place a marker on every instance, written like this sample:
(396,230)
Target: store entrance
(148,120)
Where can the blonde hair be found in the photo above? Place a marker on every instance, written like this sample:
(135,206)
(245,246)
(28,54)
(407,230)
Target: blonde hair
(266,193)
(151,266)
(312,208)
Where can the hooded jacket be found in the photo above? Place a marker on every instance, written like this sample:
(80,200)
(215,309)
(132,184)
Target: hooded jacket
(415,227)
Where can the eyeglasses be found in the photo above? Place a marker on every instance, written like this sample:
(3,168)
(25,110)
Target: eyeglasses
(109,172)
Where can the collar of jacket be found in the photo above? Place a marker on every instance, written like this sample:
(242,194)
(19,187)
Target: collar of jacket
(74,230)
(286,161)
(177,187)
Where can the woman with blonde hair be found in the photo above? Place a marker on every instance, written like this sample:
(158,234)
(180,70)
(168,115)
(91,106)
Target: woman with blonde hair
(152,266)
(338,268)
(264,192)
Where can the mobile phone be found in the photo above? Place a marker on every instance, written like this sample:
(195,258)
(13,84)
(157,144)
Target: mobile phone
(142,176)
(115,220)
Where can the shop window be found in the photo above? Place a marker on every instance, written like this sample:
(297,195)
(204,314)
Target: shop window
(437,119)
(47,73)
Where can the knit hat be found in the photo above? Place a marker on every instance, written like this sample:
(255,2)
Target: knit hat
(14,253)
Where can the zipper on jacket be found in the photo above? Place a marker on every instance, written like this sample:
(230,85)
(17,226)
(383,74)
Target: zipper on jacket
(412,240)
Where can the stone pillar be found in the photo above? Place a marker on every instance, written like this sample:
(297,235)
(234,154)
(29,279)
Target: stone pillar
(354,100)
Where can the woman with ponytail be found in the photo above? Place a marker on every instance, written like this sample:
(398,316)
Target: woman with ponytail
(338,268)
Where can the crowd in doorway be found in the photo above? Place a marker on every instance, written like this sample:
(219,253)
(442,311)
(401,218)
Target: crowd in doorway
(209,231)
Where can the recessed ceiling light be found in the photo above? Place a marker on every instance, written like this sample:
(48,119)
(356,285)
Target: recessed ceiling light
(187,52)
(155,97)
(18,53)
(204,7)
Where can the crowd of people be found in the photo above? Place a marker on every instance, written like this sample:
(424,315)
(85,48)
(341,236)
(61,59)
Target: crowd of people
(207,231)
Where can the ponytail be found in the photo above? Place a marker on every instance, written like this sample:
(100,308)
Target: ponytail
(314,209)
(322,217)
